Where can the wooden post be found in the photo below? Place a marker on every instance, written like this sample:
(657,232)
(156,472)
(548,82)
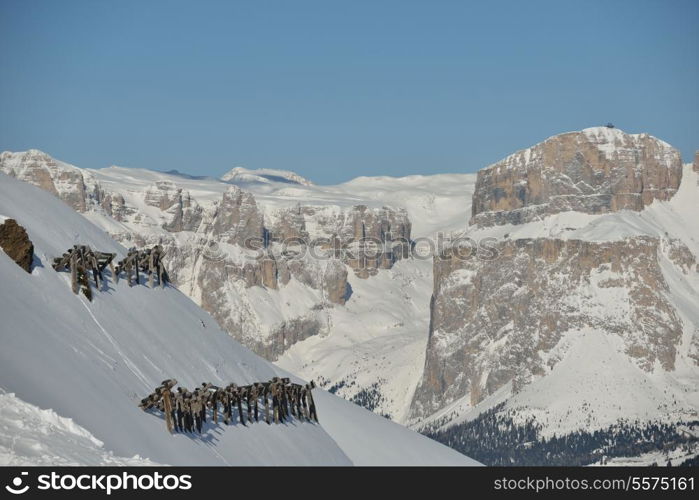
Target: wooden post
(74,272)
(214,401)
(167,409)
(151,255)
(136,270)
(95,270)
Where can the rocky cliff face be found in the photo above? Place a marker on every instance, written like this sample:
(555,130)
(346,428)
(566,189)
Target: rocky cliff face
(114,205)
(493,321)
(77,188)
(548,307)
(237,220)
(184,213)
(218,250)
(366,239)
(594,171)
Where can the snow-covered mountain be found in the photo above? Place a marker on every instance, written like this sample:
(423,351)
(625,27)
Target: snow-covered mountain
(72,371)
(355,322)
(577,312)
(584,313)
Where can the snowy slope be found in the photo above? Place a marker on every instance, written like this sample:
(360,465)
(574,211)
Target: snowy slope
(92,362)
(378,337)
(32,436)
(592,387)
(593,382)
(375,351)
(440,202)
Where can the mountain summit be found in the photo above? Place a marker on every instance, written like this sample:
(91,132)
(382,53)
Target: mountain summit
(596,170)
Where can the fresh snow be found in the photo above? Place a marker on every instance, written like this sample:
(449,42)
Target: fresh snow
(378,337)
(36,437)
(92,362)
(596,384)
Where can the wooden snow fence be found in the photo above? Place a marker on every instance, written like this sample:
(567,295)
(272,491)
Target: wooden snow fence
(81,261)
(147,260)
(278,401)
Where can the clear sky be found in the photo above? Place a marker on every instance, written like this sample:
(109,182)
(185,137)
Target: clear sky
(336,89)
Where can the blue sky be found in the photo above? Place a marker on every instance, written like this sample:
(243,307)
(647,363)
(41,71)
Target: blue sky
(336,89)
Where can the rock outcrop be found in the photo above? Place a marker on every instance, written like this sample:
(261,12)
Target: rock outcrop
(237,220)
(77,188)
(115,206)
(503,322)
(492,321)
(594,171)
(15,242)
(183,213)
(366,239)
(383,238)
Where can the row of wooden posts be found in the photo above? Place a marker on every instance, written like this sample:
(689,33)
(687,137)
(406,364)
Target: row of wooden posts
(186,411)
(81,261)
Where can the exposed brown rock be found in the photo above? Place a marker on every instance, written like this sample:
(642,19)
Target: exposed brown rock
(16,244)
(335,282)
(366,238)
(491,320)
(238,220)
(184,214)
(75,187)
(594,171)
(291,224)
(268,271)
(115,206)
